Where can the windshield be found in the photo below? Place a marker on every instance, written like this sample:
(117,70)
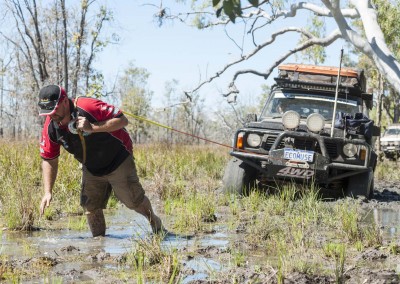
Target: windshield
(306,104)
(392,131)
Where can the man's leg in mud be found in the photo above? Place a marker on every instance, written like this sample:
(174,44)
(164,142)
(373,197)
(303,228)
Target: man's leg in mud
(94,196)
(129,191)
(97,222)
(146,210)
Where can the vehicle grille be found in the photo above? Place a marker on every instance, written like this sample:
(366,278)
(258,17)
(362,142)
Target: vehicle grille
(304,144)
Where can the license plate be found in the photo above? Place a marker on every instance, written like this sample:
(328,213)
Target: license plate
(298,155)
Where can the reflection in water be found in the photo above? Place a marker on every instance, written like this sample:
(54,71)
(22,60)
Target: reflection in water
(123,228)
(203,266)
(386,218)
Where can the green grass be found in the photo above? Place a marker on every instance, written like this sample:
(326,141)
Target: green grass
(148,261)
(294,228)
(387,170)
(292,222)
(21,187)
(194,211)
(20,180)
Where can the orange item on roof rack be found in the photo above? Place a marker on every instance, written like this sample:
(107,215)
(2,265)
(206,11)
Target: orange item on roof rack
(325,70)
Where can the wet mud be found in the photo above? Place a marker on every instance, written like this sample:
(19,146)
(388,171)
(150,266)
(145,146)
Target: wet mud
(65,256)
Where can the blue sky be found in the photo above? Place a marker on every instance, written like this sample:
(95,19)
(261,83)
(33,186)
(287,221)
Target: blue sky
(177,51)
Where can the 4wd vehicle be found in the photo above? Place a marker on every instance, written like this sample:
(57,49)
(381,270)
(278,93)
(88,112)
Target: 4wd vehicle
(390,142)
(310,129)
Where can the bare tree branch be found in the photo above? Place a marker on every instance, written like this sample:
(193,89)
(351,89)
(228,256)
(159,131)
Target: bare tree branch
(255,51)
(93,46)
(238,118)
(225,121)
(294,8)
(311,42)
(39,46)
(372,44)
(65,45)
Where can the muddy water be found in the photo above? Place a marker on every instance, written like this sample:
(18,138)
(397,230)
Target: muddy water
(81,258)
(120,233)
(124,227)
(388,220)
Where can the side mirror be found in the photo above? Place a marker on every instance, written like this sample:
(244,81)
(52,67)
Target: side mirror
(250,117)
(376,131)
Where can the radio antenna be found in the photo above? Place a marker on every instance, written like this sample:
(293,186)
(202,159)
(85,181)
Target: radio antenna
(336,92)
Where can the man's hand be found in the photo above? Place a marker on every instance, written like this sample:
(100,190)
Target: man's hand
(110,125)
(83,124)
(45,202)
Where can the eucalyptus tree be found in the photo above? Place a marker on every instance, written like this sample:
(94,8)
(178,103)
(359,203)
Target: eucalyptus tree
(388,99)
(52,42)
(193,117)
(260,16)
(136,98)
(387,14)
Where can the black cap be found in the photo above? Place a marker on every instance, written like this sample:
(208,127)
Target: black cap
(49,98)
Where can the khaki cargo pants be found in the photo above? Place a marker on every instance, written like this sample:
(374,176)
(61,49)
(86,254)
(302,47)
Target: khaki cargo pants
(124,181)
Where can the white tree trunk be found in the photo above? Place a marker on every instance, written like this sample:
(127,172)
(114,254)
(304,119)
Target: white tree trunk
(373,45)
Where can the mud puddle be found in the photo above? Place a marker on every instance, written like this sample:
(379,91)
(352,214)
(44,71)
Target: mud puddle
(388,220)
(74,256)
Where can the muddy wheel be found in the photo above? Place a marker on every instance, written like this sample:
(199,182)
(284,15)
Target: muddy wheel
(371,188)
(361,185)
(239,178)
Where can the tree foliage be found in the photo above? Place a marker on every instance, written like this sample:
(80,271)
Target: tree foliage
(48,43)
(261,16)
(387,99)
(135,98)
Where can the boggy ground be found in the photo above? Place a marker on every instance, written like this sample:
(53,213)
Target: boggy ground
(287,237)
(380,264)
(221,252)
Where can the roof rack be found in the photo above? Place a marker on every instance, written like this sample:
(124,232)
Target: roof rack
(320,78)
(315,69)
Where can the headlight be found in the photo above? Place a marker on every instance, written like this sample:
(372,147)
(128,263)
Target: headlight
(350,150)
(291,119)
(315,122)
(253,140)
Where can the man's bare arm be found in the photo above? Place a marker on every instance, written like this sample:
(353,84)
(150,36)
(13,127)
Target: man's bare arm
(49,171)
(110,125)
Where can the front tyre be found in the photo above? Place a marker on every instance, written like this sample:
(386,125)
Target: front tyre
(239,178)
(361,185)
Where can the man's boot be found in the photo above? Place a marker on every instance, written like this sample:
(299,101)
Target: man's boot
(97,222)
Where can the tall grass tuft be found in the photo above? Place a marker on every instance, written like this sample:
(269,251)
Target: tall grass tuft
(21,188)
(191,211)
(386,171)
(19,184)
(174,168)
(349,215)
(153,262)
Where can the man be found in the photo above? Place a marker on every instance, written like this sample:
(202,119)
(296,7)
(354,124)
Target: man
(281,107)
(93,131)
